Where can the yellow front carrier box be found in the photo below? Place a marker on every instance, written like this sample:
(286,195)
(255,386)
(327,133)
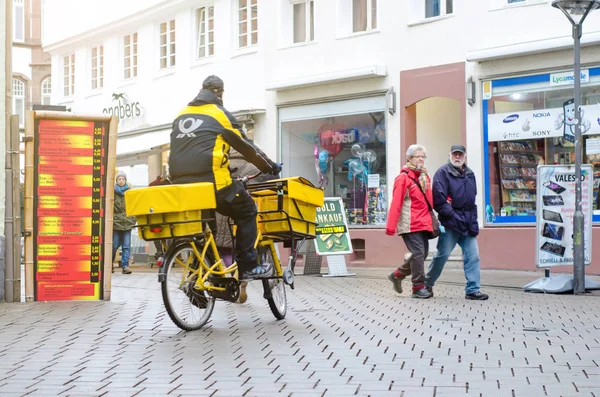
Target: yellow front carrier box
(171,210)
(287,207)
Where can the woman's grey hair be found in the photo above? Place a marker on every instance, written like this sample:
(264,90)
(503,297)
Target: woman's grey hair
(412,149)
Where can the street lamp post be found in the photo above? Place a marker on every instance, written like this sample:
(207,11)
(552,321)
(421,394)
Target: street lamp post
(576,11)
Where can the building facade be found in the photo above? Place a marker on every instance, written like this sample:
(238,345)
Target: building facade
(31,82)
(4,117)
(335,89)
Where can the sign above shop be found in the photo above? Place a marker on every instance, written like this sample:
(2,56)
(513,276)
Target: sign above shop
(123,109)
(545,123)
(568,78)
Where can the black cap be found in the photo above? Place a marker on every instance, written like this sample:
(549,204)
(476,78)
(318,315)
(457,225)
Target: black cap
(213,81)
(458,148)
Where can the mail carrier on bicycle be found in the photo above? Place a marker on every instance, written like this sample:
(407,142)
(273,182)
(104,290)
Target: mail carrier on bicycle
(202,135)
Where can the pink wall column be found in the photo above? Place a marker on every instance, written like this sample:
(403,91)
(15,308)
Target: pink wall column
(513,248)
(437,81)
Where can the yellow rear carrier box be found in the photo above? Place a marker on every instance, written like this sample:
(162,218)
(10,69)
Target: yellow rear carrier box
(171,210)
(287,207)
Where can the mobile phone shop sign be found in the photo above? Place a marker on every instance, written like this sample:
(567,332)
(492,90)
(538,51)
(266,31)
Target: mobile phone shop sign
(555,210)
(333,237)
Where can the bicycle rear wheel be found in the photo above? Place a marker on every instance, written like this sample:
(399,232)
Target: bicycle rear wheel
(189,308)
(274,289)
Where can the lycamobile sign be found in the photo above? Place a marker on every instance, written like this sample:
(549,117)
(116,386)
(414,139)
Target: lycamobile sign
(567,78)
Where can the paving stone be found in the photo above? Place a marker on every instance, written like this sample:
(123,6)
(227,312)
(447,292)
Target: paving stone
(336,340)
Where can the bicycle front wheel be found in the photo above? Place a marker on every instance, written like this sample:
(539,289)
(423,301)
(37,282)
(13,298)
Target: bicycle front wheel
(189,308)
(274,288)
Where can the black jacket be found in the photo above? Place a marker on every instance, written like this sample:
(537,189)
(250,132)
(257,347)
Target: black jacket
(200,140)
(454,199)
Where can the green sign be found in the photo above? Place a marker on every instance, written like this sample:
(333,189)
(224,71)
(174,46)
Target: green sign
(332,233)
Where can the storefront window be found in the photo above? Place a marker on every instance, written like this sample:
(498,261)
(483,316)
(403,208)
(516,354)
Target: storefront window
(346,155)
(528,122)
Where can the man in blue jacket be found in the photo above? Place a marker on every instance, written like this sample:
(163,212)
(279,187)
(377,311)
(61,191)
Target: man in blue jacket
(454,192)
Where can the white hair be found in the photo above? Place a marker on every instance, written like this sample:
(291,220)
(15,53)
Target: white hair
(412,149)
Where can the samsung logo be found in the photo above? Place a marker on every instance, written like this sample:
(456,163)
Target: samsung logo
(511,118)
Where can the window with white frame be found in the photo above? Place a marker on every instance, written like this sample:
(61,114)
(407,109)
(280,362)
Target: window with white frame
(304,20)
(18,20)
(167,44)
(364,15)
(46,91)
(130,54)
(18,92)
(205,31)
(247,23)
(436,8)
(69,75)
(97,67)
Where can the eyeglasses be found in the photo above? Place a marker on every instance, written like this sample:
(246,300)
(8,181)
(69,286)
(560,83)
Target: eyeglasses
(419,157)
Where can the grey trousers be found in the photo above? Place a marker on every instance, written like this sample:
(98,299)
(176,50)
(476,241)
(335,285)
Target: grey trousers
(418,245)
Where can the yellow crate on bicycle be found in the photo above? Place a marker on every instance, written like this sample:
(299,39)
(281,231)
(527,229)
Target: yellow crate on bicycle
(295,213)
(171,210)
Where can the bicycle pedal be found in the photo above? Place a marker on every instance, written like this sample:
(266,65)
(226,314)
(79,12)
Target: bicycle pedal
(288,277)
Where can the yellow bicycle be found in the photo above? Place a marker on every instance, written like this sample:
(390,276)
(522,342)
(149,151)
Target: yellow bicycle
(194,276)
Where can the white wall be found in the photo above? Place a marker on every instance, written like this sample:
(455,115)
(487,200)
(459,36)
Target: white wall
(438,128)
(402,41)
(3,113)
(161,93)
(68,18)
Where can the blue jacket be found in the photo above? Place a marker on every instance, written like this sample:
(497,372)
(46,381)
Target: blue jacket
(454,195)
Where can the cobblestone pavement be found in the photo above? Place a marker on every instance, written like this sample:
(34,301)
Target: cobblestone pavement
(342,337)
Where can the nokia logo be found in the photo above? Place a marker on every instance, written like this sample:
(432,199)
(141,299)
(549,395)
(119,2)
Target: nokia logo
(544,114)
(511,118)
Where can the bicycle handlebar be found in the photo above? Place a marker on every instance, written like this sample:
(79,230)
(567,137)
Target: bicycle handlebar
(245,179)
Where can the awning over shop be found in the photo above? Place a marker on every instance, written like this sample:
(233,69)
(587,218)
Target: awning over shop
(142,145)
(327,78)
(531,47)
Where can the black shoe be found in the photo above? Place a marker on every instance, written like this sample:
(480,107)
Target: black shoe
(429,289)
(397,281)
(477,296)
(422,294)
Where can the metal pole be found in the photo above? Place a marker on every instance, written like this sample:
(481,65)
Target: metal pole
(12,220)
(578,222)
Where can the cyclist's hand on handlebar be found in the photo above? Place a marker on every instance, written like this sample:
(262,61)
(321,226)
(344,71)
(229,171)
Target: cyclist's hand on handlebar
(276,168)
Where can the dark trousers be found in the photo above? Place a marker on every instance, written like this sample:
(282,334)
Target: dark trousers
(235,202)
(418,245)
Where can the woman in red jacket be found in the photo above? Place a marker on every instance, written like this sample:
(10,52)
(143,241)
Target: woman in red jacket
(409,217)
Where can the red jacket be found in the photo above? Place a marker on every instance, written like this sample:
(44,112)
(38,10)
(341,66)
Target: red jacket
(409,212)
